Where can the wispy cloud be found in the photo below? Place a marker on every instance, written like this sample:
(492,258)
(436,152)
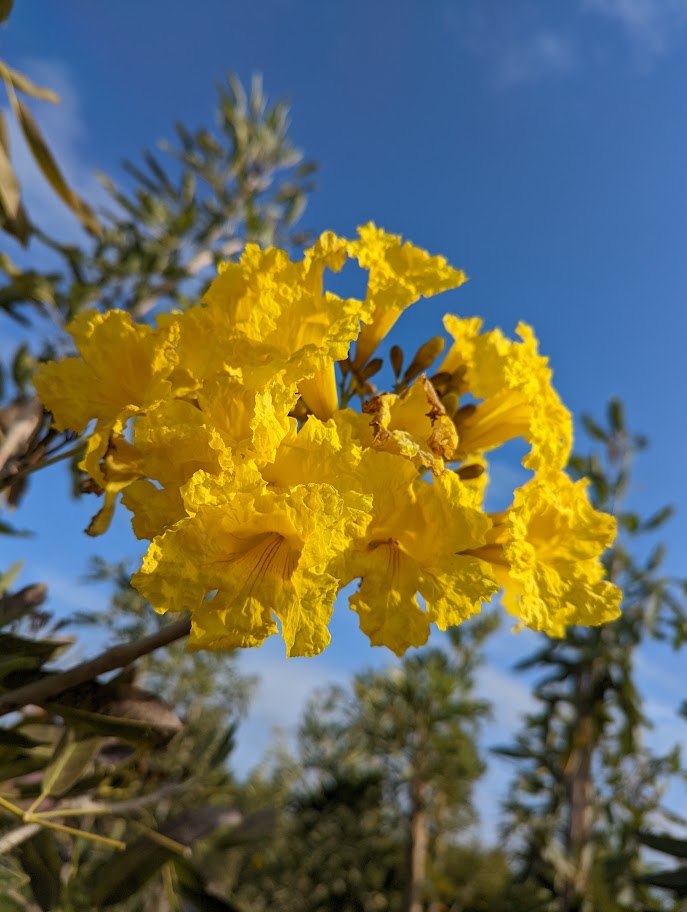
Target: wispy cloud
(283,690)
(650,24)
(539,56)
(517,47)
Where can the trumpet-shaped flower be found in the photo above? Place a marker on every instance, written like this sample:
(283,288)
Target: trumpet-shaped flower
(268,317)
(400,274)
(242,565)
(514,382)
(123,370)
(545,551)
(411,547)
(221,430)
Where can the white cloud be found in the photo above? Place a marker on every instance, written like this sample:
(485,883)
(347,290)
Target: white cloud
(649,23)
(511,699)
(539,56)
(517,48)
(284,688)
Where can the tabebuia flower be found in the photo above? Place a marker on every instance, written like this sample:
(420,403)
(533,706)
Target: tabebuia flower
(229,432)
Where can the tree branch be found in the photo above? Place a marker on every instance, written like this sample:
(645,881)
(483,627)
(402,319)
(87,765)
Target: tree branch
(120,656)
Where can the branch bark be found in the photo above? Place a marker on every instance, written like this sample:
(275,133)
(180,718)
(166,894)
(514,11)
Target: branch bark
(117,657)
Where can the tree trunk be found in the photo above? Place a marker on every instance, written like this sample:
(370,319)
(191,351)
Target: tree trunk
(417,848)
(579,775)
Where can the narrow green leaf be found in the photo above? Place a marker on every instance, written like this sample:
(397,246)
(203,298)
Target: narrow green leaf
(73,754)
(45,161)
(5,9)
(23,366)
(10,195)
(23,84)
(616,418)
(40,859)
(8,578)
(125,873)
(42,650)
(663,842)
(674,880)
(657,520)
(593,429)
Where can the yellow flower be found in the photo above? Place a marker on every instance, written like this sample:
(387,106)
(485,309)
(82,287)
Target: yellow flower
(414,425)
(400,275)
(514,382)
(251,421)
(173,442)
(545,552)
(123,370)
(318,452)
(238,565)
(411,547)
(268,317)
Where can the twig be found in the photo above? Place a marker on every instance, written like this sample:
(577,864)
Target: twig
(15,837)
(117,657)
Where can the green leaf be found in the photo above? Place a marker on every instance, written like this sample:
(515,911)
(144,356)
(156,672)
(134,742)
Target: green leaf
(40,859)
(10,195)
(657,520)
(616,419)
(126,872)
(7,529)
(629,521)
(5,9)
(664,842)
(23,366)
(593,429)
(116,710)
(675,880)
(73,754)
(192,888)
(42,650)
(23,84)
(8,578)
(47,164)
(8,664)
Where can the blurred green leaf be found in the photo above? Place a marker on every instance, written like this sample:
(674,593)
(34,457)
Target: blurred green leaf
(616,418)
(593,429)
(73,754)
(23,366)
(23,84)
(5,9)
(126,872)
(48,166)
(9,577)
(40,859)
(664,842)
(10,194)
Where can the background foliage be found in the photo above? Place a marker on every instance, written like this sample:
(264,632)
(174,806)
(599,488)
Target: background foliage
(115,789)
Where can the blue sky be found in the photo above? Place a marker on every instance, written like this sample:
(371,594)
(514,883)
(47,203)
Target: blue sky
(540,146)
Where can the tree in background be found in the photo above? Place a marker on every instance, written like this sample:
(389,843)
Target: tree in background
(110,761)
(404,743)
(587,782)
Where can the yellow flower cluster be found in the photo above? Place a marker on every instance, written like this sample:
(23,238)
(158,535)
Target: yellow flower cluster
(262,496)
